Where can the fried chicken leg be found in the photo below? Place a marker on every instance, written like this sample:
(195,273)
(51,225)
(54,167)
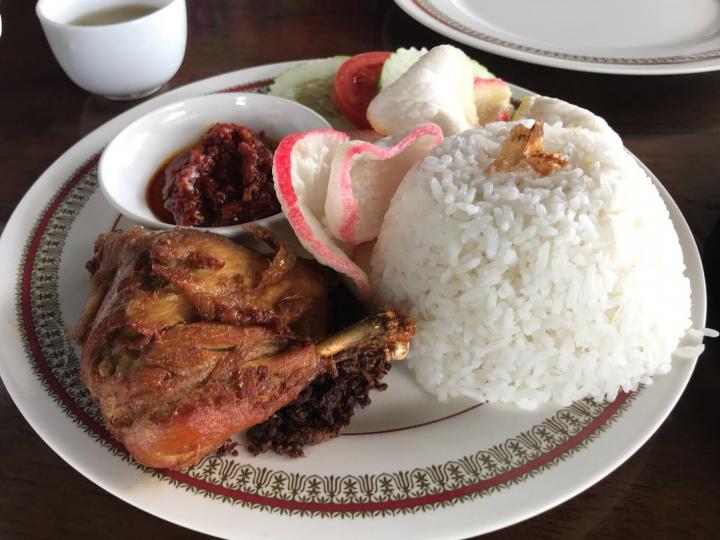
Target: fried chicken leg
(188,338)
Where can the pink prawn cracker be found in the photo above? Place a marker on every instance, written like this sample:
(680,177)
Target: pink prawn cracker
(335,192)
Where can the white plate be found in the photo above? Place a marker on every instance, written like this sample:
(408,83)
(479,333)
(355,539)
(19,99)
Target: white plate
(636,37)
(409,467)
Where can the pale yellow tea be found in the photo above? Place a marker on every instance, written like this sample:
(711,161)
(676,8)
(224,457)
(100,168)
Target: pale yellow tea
(114,15)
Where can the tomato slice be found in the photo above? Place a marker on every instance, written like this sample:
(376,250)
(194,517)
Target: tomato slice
(356,84)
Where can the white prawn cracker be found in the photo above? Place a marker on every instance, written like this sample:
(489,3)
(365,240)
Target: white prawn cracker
(437,89)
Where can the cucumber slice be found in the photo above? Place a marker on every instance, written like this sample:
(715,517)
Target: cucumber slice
(401,60)
(397,64)
(311,83)
(479,70)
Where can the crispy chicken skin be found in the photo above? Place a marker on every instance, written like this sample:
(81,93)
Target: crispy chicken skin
(155,280)
(188,338)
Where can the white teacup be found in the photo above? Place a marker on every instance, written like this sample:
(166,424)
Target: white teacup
(123,60)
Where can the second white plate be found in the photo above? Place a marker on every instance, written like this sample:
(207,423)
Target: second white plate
(641,37)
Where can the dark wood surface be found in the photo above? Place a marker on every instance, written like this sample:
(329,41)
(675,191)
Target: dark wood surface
(668,489)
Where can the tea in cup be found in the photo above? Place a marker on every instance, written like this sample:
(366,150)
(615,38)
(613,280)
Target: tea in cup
(120,49)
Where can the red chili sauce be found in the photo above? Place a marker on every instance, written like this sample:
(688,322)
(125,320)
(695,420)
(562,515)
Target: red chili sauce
(224,179)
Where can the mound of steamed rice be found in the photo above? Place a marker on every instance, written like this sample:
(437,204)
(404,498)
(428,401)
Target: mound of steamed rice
(529,289)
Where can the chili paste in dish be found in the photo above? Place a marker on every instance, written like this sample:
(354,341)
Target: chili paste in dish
(224,179)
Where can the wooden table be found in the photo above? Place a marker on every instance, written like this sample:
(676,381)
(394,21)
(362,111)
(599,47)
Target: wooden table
(670,488)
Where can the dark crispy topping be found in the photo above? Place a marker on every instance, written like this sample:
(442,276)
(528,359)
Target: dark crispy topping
(323,408)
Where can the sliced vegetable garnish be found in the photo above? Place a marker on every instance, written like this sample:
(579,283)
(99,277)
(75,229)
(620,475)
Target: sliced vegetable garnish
(401,60)
(480,71)
(397,65)
(437,89)
(364,177)
(492,100)
(311,83)
(340,88)
(356,84)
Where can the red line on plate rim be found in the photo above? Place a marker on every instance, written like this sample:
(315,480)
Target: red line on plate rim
(105,435)
(115,224)
(413,426)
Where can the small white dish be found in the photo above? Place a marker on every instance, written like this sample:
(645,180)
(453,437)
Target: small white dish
(122,60)
(135,154)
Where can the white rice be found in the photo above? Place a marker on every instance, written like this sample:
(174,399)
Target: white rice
(528,289)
